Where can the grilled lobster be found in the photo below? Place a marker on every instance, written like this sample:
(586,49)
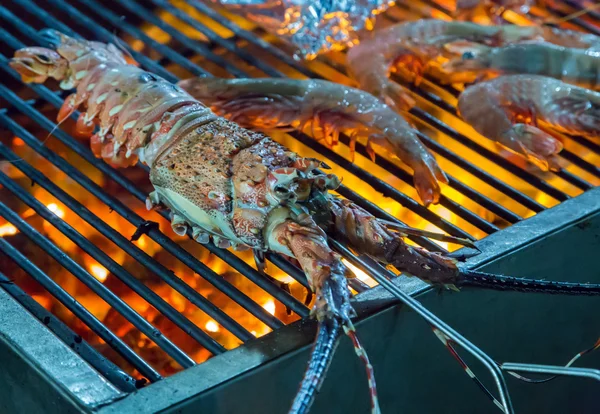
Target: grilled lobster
(238,188)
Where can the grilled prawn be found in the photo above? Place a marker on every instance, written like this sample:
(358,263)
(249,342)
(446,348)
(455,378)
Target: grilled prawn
(410,47)
(269,104)
(238,188)
(507,109)
(577,66)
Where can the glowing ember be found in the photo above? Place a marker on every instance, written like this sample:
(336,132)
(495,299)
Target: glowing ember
(270,306)
(99,272)
(56,210)
(211,326)
(18,142)
(359,273)
(8,230)
(28,213)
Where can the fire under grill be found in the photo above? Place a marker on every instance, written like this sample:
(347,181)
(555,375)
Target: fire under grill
(136,303)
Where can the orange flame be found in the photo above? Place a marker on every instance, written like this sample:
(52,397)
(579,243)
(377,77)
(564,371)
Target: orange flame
(8,230)
(269,306)
(99,272)
(53,207)
(359,273)
(211,326)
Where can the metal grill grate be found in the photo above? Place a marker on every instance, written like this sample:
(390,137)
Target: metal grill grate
(510,192)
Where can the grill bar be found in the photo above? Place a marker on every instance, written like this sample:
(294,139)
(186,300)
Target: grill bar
(127,278)
(591,13)
(70,303)
(192,45)
(86,278)
(216,39)
(588,27)
(108,370)
(90,15)
(164,50)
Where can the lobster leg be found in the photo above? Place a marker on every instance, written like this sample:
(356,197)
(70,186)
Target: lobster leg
(327,277)
(368,235)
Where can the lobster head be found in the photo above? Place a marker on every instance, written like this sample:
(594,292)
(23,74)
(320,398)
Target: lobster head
(37,64)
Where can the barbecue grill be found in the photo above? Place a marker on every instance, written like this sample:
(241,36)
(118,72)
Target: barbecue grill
(103,308)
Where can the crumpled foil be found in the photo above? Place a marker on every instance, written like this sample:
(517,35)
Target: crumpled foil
(313,26)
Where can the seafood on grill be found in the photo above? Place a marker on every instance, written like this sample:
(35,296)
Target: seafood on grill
(577,66)
(411,47)
(241,189)
(507,109)
(329,108)
(492,9)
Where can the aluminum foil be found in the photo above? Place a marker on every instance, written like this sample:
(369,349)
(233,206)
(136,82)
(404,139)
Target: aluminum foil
(312,26)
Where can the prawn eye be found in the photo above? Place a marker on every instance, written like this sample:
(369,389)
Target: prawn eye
(43,58)
(468,55)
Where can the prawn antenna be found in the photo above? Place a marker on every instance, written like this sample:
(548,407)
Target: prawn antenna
(574,15)
(500,282)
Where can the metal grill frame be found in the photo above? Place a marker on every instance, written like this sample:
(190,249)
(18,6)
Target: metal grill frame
(28,108)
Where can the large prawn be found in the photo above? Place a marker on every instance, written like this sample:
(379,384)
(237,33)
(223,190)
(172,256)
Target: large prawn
(332,108)
(577,66)
(410,47)
(239,188)
(508,108)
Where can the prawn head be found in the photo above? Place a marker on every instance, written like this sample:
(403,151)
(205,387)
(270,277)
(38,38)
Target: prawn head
(471,57)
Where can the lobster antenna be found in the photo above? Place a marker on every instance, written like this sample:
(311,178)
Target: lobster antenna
(448,343)
(362,354)
(571,362)
(54,128)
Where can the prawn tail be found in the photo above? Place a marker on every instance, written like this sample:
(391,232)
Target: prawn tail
(471,56)
(427,178)
(328,335)
(397,97)
(536,144)
(499,282)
